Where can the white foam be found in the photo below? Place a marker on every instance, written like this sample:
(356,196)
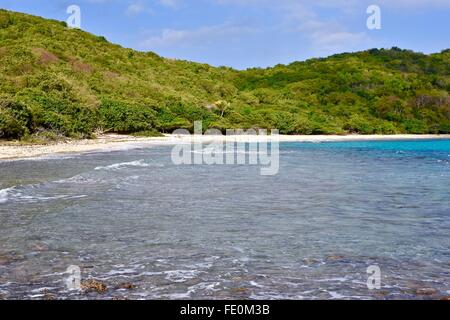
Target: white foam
(335,295)
(121,272)
(12,194)
(117,166)
(255,284)
(42,198)
(179,296)
(181,275)
(204,286)
(337,279)
(42,158)
(78,179)
(43,289)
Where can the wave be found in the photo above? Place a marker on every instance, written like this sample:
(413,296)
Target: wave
(13,194)
(179,276)
(55,157)
(43,198)
(78,179)
(118,166)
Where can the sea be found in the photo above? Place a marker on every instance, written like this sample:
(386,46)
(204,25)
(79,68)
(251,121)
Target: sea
(340,220)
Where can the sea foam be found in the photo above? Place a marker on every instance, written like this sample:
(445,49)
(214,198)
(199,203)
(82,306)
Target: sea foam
(118,166)
(13,194)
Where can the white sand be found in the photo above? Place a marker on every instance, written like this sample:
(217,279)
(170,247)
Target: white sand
(112,142)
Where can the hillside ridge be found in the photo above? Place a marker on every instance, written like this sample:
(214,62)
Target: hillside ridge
(60,82)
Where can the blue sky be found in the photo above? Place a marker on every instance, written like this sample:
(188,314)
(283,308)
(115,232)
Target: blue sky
(254,33)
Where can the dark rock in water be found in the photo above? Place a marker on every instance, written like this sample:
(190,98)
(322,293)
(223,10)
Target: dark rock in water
(4,261)
(87,267)
(382,294)
(9,258)
(49,296)
(335,258)
(126,286)
(39,246)
(94,286)
(426,291)
(242,291)
(310,261)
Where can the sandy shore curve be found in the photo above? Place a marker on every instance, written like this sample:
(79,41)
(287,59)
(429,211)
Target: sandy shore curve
(112,142)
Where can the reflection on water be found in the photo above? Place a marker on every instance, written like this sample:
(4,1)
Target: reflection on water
(225,231)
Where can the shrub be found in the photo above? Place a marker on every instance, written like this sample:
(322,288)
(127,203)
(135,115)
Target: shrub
(120,117)
(358,124)
(15,120)
(10,127)
(415,126)
(284,122)
(444,128)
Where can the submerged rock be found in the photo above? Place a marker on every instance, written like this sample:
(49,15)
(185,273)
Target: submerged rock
(335,258)
(94,286)
(426,291)
(126,286)
(49,296)
(9,258)
(4,261)
(39,246)
(310,261)
(240,290)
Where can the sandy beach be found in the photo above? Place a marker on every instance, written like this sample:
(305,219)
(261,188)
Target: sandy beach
(111,142)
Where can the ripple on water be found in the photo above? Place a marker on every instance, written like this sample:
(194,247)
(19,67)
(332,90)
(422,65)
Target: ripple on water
(19,194)
(123,165)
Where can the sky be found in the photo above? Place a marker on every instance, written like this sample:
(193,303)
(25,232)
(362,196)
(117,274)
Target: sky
(254,33)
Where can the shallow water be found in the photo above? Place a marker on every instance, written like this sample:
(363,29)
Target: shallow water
(212,232)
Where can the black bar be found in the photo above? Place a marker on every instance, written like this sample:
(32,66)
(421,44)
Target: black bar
(225,309)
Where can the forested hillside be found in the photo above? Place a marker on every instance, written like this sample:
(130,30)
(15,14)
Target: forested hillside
(56,81)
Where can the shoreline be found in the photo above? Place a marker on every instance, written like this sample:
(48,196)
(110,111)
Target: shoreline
(113,142)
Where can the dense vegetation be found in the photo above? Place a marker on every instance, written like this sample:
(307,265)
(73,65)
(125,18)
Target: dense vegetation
(56,81)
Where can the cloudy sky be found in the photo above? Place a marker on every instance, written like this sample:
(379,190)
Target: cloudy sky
(254,33)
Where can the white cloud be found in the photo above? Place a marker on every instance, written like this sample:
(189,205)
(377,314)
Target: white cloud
(412,4)
(330,37)
(142,6)
(312,23)
(323,37)
(170,3)
(203,36)
(137,7)
(342,4)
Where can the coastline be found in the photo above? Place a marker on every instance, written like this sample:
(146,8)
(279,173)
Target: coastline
(112,142)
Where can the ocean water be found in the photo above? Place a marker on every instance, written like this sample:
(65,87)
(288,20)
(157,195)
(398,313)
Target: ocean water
(222,232)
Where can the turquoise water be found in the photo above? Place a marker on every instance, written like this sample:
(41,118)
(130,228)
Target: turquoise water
(206,232)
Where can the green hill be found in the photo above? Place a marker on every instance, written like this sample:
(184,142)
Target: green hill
(56,81)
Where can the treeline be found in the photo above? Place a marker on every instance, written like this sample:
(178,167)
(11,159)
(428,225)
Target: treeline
(59,82)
